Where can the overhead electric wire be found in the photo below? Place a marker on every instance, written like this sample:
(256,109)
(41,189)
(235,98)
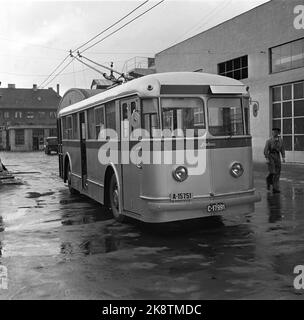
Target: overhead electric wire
(43,85)
(112,25)
(56,75)
(59,65)
(138,16)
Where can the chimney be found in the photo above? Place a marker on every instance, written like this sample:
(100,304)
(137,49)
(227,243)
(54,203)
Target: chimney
(11,85)
(35,87)
(58,89)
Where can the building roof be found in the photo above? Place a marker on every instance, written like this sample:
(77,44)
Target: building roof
(15,98)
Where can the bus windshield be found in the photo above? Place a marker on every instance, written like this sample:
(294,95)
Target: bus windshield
(181,114)
(225,117)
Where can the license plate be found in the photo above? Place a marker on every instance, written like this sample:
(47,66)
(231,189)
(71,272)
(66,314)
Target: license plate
(216,207)
(181,196)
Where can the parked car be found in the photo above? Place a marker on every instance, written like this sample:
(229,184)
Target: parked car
(51,144)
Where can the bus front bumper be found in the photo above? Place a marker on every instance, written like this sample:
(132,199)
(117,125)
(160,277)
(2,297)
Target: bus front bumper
(166,210)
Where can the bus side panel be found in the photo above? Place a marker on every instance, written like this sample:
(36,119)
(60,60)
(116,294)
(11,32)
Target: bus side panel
(95,171)
(73,149)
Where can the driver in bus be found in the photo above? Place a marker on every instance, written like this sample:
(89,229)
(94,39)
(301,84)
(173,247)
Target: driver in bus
(273,150)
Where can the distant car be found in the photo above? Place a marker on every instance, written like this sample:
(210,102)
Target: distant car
(51,144)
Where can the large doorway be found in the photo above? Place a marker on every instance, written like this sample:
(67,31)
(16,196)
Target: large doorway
(38,139)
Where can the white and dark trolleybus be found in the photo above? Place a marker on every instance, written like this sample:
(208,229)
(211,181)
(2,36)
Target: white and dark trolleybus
(126,147)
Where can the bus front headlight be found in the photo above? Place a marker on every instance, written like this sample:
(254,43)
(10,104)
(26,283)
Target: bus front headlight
(236,170)
(180,174)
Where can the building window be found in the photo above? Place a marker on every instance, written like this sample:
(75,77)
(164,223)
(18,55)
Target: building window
(30,115)
(19,137)
(6,114)
(41,114)
(287,56)
(53,114)
(235,68)
(18,114)
(288,114)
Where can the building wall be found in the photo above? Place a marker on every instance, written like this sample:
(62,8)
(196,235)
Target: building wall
(45,122)
(253,34)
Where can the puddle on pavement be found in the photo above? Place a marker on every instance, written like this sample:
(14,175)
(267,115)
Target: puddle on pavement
(38,194)
(96,245)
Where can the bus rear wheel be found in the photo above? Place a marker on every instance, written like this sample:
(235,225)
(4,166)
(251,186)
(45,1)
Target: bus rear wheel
(114,199)
(69,176)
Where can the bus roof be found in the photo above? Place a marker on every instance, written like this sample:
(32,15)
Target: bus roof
(150,86)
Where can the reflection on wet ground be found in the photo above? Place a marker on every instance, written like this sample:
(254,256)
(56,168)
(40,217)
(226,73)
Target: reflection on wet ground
(56,245)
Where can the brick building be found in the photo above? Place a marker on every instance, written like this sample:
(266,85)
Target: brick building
(27,116)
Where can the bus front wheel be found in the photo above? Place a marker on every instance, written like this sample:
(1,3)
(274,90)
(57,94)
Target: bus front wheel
(114,199)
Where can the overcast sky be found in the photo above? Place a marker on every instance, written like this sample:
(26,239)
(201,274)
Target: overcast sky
(35,36)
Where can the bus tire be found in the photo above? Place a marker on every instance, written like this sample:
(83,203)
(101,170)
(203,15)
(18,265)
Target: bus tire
(69,178)
(114,199)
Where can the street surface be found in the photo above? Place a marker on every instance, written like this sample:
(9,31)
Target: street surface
(58,246)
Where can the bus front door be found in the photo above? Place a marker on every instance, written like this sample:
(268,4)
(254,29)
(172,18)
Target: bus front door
(83,150)
(131,172)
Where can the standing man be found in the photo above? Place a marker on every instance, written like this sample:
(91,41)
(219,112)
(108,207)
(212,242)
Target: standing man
(273,150)
(2,167)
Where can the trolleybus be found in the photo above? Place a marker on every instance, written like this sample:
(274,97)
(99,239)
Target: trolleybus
(125,147)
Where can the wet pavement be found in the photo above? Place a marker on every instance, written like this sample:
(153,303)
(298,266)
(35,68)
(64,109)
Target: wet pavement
(58,246)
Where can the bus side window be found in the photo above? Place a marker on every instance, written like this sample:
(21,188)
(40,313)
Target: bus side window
(68,130)
(135,122)
(99,123)
(125,121)
(110,115)
(63,122)
(75,126)
(150,117)
(91,124)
